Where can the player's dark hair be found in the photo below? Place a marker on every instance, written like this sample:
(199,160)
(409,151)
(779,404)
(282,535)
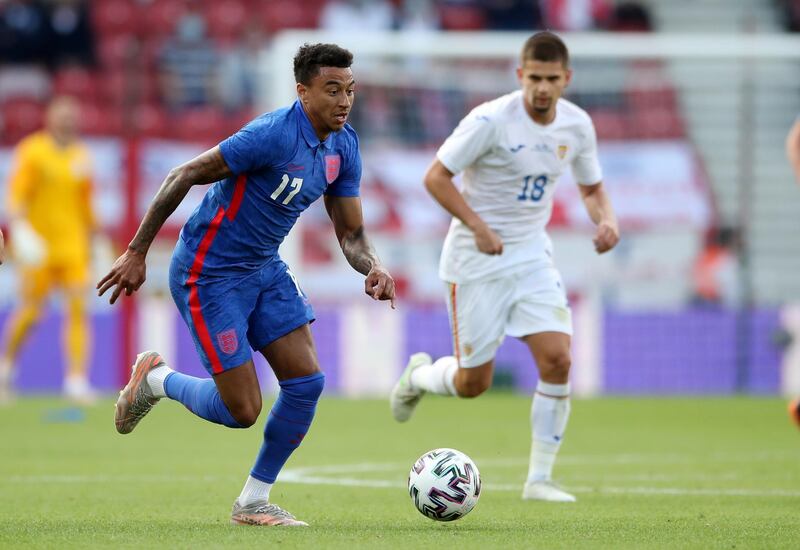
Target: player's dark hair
(311,57)
(545,46)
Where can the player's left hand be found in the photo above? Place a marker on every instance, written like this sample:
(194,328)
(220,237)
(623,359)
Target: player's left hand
(606,237)
(379,284)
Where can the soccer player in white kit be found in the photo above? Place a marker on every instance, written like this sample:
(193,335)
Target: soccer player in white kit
(497,258)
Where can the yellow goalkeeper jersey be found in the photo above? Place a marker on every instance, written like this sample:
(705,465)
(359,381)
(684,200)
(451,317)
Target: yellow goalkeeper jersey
(51,187)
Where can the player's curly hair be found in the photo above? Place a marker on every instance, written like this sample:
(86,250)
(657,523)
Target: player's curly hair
(310,57)
(545,46)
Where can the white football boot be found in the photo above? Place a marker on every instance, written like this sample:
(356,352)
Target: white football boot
(404,398)
(546,490)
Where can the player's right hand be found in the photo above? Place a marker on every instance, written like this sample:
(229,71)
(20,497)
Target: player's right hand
(488,241)
(127,274)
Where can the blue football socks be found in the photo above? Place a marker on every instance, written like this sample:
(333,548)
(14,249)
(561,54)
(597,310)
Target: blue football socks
(287,425)
(201,397)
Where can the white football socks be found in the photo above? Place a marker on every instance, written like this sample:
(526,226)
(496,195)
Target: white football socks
(155,379)
(549,414)
(254,491)
(438,378)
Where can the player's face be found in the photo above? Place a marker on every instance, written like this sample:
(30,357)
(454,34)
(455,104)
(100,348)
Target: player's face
(328,99)
(542,82)
(63,118)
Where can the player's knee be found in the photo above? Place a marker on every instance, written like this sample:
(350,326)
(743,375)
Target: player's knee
(472,388)
(303,392)
(246,412)
(555,365)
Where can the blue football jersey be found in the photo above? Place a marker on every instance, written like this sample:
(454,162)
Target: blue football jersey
(279,168)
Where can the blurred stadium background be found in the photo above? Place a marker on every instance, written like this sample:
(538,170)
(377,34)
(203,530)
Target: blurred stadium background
(692,101)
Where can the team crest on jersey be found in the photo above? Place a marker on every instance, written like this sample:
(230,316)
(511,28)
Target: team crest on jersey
(228,342)
(562,152)
(332,165)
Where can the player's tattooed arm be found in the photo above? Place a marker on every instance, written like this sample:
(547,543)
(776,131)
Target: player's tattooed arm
(348,222)
(128,273)
(206,168)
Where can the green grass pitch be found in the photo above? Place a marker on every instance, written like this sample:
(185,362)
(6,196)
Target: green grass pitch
(663,473)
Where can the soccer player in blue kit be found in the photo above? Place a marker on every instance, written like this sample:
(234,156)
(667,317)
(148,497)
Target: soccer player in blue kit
(227,278)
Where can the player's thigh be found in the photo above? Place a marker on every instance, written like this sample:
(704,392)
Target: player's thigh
(292,355)
(541,317)
(478,312)
(240,391)
(36,283)
(216,311)
(278,325)
(539,304)
(74,282)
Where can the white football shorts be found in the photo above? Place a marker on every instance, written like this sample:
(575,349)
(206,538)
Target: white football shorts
(482,313)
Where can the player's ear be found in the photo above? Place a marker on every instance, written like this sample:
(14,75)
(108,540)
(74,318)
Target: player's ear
(302,90)
(519,74)
(568,78)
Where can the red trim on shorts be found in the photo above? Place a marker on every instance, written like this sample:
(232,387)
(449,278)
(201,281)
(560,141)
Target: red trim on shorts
(456,343)
(238,194)
(194,296)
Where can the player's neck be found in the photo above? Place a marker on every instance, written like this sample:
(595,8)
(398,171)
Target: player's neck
(543,118)
(321,132)
(539,117)
(63,140)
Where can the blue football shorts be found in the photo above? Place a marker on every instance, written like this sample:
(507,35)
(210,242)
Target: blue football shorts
(229,314)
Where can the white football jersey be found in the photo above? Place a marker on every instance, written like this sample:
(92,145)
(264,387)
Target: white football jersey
(510,166)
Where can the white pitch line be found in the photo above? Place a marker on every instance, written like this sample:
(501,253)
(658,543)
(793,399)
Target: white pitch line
(299,478)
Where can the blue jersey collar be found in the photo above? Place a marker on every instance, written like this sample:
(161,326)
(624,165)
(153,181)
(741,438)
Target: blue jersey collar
(307,129)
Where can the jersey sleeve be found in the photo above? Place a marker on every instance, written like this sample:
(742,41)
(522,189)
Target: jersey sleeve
(474,136)
(252,147)
(348,183)
(586,165)
(23,176)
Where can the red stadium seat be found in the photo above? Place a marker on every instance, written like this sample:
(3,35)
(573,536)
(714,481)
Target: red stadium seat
(456,17)
(112,17)
(226,19)
(161,17)
(643,97)
(609,123)
(116,87)
(204,124)
(150,120)
(19,117)
(117,50)
(235,121)
(657,123)
(289,14)
(78,82)
(98,119)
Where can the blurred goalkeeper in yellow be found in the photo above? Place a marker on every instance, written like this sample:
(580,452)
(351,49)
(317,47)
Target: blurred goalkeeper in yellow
(50,228)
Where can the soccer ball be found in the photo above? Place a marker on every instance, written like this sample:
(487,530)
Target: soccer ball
(444,484)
